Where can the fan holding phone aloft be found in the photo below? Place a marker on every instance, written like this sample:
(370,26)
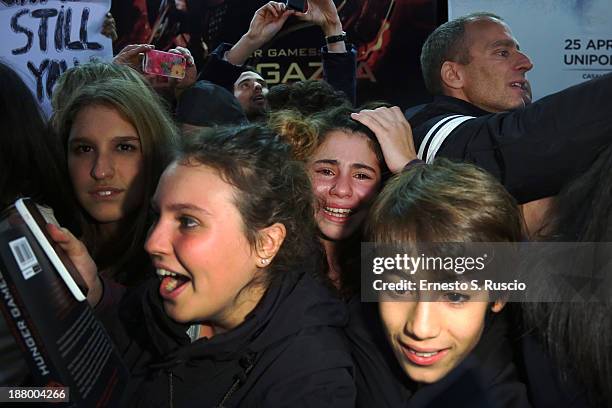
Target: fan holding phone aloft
(270,18)
(164,64)
(226,64)
(297,5)
(175,72)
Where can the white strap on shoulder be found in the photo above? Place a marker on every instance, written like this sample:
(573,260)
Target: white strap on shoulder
(438,134)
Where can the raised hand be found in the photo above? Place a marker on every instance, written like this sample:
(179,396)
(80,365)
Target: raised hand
(130,55)
(393,133)
(268,21)
(191,73)
(324,14)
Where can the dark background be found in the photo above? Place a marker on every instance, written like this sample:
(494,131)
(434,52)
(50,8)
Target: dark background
(388,35)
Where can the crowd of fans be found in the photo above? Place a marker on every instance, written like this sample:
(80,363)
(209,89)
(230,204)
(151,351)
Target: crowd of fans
(219,223)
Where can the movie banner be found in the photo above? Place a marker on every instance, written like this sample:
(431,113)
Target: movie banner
(387,35)
(42,39)
(568,41)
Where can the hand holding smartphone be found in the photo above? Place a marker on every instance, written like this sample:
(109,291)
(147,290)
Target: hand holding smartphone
(163,63)
(297,5)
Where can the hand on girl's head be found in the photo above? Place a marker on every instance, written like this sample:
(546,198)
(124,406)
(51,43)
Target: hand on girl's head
(393,133)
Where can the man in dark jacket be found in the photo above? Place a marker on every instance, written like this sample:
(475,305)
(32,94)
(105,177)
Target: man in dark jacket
(226,68)
(482,110)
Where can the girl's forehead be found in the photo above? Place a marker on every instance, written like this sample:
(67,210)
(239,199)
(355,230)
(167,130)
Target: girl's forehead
(346,147)
(341,140)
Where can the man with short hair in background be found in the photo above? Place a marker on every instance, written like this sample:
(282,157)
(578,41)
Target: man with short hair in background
(482,111)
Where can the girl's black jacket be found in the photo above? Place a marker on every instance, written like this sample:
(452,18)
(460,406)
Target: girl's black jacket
(290,351)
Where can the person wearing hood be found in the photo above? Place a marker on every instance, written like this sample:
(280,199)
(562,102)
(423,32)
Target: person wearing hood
(207,105)
(237,316)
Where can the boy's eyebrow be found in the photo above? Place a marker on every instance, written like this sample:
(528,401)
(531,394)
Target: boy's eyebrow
(401,274)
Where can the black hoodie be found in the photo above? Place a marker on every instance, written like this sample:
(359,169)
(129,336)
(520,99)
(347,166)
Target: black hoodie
(289,351)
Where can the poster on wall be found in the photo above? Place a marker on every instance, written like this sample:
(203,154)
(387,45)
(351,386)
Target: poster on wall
(388,35)
(42,39)
(568,41)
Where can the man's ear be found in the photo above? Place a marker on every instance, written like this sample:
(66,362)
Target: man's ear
(269,242)
(451,74)
(498,305)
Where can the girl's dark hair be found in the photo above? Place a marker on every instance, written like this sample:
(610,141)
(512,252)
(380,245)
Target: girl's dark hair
(271,187)
(31,164)
(578,335)
(582,211)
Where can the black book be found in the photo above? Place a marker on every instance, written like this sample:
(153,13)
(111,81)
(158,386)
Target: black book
(42,299)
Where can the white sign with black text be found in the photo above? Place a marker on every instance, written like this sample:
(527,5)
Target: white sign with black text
(43,38)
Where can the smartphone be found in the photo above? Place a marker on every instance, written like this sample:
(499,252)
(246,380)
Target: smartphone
(298,5)
(37,224)
(164,63)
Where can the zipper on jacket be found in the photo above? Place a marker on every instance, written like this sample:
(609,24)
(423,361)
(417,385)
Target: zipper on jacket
(171,393)
(247,362)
